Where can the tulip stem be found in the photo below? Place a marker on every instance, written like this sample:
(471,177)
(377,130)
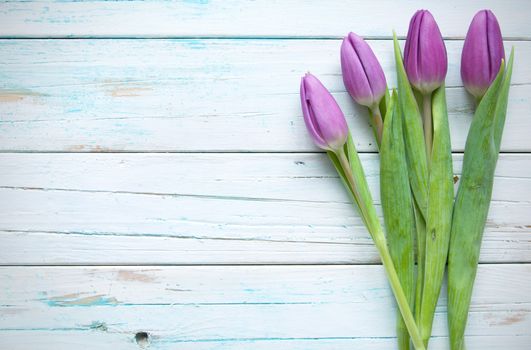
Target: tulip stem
(376,123)
(345,164)
(427,121)
(401,299)
(375,229)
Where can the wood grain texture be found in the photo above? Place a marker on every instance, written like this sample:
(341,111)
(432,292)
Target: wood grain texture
(215,84)
(94,339)
(241,307)
(246,19)
(200,95)
(213,209)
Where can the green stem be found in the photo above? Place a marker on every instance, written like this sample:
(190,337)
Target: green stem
(376,123)
(400,297)
(428,125)
(381,244)
(353,188)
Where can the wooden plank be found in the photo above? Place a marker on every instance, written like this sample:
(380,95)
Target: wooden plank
(213,209)
(240,307)
(97,340)
(199,95)
(242,18)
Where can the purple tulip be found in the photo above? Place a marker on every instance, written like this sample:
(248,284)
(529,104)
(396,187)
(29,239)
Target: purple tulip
(425,54)
(482,53)
(362,74)
(323,117)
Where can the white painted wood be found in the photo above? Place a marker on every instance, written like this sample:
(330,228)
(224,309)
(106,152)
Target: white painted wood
(234,307)
(220,95)
(200,95)
(244,18)
(213,209)
(97,340)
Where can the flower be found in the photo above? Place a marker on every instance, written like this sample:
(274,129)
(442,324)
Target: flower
(483,53)
(324,119)
(425,54)
(362,73)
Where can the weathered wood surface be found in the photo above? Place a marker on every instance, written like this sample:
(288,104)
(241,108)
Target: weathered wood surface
(230,307)
(215,83)
(213,209)
(264,18)
(200,95)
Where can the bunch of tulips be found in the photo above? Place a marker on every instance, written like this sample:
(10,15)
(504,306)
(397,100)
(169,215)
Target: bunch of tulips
(425,228)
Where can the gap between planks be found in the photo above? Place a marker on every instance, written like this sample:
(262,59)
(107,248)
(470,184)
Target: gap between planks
(199,152)
(243,265)
(221,37)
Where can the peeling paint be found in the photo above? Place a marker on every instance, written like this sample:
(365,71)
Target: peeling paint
(76,300)
(98,148)
(10,97)
(509,320)
(16,95)
(67,296)
(76,148)
(128,91)
(87,148)
(126,275)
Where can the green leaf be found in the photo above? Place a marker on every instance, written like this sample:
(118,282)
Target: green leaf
(397,204)
(473,201)
(501,105)
(366,202)
(439,220)
(352,171)
(420,227)
(342,176)
(413,135)
(384,103)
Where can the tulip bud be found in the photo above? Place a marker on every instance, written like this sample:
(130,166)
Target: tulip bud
(324,119)
(362,74)
(482,53)
(425,54)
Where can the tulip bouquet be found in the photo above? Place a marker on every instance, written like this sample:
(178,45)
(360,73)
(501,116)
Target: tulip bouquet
(424,228)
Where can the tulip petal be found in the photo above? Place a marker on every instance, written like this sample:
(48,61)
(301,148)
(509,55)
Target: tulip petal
(362,73)
(495,45)
(324,118)
(309,118)
(482,53)
(432,60)
(372,68)
(354,75)
(425,56)
(411,48)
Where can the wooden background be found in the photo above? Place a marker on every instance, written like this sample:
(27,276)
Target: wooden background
(157,177)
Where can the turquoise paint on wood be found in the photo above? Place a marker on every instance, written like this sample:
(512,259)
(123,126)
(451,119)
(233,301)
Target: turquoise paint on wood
(218,77)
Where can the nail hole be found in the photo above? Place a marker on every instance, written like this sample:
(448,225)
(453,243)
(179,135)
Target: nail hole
(142,339)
